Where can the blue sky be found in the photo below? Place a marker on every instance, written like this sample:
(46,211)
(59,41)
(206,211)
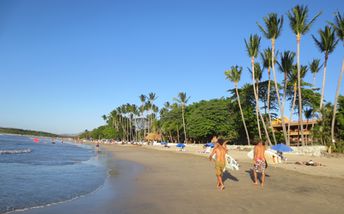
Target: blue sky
(64,63)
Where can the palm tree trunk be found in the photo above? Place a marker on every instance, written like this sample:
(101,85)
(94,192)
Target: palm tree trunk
(269,114)
(256,98)
(261,117)
(323,81)
(171,138)
(242,115)
(299,87)
(178,133)
(257,106)
(183,116)
(335,103)
(147,122)
(292,112)
(308,133)
(277,91)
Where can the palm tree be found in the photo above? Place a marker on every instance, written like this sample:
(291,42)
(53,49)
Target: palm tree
(155,110)
(339,28)
(267,63)
(272,30)
(314,66)
(286,66)
(135,112)
(298,23)
(104,117)
(253,48)
(142,110)
(114,116)
(326,45)
(234,75)
(182,100)
(151,98)
(293,83)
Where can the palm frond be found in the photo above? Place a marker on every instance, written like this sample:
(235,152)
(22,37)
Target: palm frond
(273,26)
(252,46)
(315,66)
(327,42)
(298,19)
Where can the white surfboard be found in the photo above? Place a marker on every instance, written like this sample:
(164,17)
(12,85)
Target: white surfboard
(270,156)
(231,164)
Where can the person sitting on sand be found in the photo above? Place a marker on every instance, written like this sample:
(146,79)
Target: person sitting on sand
(220,163)
(259,163)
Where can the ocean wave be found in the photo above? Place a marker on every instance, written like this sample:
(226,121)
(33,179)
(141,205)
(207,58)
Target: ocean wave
(14,151)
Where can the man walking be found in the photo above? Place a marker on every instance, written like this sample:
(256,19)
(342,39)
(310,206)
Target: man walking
(220,161)
(259,162)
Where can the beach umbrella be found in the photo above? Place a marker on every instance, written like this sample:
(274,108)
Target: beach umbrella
(282,148)
(210,144)
(181,145)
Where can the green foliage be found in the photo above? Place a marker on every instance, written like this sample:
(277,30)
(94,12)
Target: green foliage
(27,132)
(273,26)
(328,41)
(339,126)
(252,46)
(322,130)
(234,74)
(298,19)
(171,121)
(315,66)
(338,25)
(209,118)
(102,132)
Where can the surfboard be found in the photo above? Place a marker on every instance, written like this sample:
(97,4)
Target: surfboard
(231,164)
(270,156)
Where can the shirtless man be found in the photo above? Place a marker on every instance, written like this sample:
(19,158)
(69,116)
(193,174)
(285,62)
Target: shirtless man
(259,163)
(220,150)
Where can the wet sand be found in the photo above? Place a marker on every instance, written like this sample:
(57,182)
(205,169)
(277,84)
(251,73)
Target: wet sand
(150,181)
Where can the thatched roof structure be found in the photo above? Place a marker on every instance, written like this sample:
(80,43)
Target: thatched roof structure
(153,137)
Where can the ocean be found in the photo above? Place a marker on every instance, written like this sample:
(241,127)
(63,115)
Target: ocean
(35,174)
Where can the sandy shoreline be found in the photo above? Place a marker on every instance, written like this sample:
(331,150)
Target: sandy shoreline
(175,182)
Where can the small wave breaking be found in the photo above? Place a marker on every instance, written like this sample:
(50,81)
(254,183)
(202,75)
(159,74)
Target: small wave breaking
(14,151)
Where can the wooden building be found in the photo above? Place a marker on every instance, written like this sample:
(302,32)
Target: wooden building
(295,130)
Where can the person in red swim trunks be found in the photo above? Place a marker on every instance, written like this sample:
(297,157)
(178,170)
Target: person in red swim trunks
(259,163)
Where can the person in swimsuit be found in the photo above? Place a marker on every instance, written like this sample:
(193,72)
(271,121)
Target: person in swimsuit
(259,163)
(220,151)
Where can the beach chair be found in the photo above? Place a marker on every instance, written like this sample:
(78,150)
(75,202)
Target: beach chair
(208,150)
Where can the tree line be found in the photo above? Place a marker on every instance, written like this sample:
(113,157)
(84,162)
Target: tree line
(257,104)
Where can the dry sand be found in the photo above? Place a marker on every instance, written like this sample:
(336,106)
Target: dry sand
(332,166)
(148,181)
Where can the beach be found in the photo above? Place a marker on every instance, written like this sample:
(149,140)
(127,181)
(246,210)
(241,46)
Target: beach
(146,180)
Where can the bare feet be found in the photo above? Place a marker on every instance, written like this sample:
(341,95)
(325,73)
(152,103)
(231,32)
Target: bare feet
(255,183)
(222,187)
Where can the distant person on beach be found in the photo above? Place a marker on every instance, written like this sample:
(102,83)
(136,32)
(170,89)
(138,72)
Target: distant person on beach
(259,162)
(214,139)
(97,146)
(220,162)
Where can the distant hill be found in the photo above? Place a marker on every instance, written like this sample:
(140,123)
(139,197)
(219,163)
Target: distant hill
(27,132)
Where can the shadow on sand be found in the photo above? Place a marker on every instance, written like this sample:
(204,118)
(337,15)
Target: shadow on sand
(259,175)
(228,176)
